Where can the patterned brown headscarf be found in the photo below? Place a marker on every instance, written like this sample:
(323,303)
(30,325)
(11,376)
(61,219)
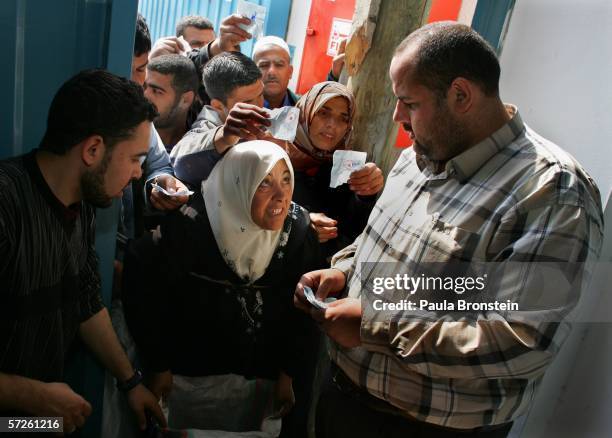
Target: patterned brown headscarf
(303,153)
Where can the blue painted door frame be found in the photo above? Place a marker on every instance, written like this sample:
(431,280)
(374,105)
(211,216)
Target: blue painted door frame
(491,19)
(46,42)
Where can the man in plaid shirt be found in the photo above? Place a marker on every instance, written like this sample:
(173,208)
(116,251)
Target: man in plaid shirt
(480,186)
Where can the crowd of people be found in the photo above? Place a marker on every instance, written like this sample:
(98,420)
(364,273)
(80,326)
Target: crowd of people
(225,229)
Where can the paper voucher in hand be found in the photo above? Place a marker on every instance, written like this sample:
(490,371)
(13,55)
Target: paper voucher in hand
(284,122)
(312,299)
(255,13)
(183,192)
(345,163)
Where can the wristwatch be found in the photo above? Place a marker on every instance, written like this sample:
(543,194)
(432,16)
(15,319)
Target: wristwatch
(130,383)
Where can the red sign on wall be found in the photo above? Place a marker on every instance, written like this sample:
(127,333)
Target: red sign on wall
(340,29)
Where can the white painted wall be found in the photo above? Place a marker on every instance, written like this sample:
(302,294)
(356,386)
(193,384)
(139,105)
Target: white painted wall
(296,35)
(466,12)
(556,66)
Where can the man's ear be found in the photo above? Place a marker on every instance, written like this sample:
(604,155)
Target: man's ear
(92,150)
(187,99)
(461,95)
(219,107)
(290,71)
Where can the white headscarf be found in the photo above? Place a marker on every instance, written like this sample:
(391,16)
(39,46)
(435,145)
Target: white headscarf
(228,192)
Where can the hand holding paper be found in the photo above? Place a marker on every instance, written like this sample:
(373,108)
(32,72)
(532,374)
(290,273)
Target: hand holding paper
(310,296)
(172,194)
(168,193)
(367,181)
(284,122)
(255,13)
(344,164)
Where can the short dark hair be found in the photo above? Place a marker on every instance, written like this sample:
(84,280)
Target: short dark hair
(228,71)
(448,50)
(95,102)
(183,71)
(142,42)
(196,21)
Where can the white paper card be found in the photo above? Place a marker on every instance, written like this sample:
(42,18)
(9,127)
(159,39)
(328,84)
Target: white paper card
(183,192)
(255,13)
(345,163)
(284,122)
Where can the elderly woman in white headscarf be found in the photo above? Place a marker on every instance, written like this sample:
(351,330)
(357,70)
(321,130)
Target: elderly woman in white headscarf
(210,292)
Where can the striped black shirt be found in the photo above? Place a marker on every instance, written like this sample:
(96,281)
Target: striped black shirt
(49,281)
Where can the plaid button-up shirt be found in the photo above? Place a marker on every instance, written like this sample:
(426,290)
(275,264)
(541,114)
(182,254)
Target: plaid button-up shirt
(514,197)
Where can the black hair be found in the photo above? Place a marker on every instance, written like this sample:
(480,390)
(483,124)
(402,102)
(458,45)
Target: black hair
(195,21)
(448,50)
(183,71)
(228,71)
(142,41)
(95,102)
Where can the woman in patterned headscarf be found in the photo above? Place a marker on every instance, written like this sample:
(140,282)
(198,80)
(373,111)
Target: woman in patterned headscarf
(221,299)
(326,123)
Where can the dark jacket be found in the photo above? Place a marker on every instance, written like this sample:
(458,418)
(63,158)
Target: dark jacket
(200,57)
(191,314)
(312,191)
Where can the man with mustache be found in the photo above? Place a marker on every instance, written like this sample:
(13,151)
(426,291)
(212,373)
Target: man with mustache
(479,190)
(172,85)
(271,54)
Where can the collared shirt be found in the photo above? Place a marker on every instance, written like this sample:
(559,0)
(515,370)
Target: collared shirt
(514,199)
(289,100)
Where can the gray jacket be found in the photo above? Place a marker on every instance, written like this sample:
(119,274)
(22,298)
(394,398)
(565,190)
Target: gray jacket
(195,155)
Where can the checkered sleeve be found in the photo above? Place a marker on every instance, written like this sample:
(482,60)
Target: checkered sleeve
(542,255)
(344,259)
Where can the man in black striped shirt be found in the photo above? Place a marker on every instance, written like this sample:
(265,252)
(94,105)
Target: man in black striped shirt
(98,130)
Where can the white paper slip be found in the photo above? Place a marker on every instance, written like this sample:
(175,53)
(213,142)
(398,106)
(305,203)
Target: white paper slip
(183,192)
(255,13)
(312,299)
(284,122)
(345,163)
